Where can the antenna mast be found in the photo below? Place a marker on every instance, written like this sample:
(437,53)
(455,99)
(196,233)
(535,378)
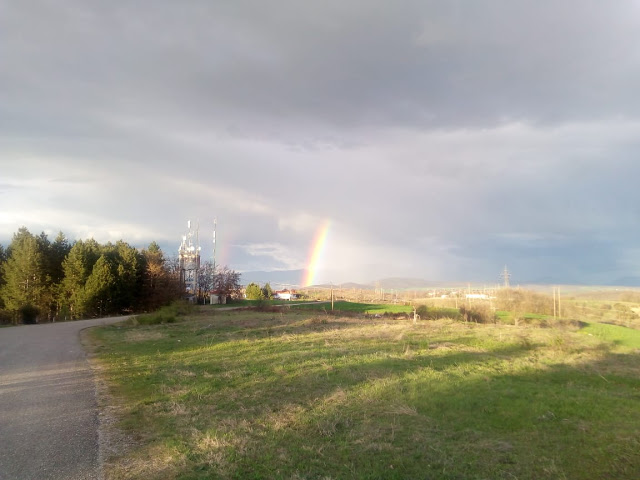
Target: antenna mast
(215,225)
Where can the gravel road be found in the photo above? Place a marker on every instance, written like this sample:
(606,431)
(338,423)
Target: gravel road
(48,412)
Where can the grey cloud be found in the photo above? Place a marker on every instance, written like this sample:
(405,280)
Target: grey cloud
(259,66)
(427,129)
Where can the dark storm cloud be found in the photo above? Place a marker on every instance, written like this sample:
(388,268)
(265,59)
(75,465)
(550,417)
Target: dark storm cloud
(256,66)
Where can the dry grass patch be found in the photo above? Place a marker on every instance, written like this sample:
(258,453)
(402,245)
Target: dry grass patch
(157,462)
(143,335)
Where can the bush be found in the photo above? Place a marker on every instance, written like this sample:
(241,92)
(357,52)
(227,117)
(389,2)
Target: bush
(434,313)
(5,317)
(155,318)
(516,300)
(168,314)
(478,314)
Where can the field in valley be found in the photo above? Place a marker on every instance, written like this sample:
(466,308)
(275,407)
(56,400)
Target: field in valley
(302,394)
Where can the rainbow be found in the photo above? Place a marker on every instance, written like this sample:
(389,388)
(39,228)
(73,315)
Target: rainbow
(315,256)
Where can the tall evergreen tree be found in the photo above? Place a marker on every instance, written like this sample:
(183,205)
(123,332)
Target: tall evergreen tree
(3,259)
(100,289)
(24,276)
(267,291)
(56,254)
(77,268)
(129,277)
(59,249)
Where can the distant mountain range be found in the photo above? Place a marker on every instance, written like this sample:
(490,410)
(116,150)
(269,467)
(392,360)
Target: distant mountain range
(275,278)
(287,278)
(293,278)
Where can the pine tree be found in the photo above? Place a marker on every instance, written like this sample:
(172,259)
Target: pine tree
(24,280)
(129,273)
(59,250)
(100,289)
(3,259)
(267,292)
(77,268)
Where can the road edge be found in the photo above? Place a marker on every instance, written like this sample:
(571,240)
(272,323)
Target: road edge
(113,442)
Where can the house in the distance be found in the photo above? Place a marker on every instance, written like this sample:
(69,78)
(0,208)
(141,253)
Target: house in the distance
(217,297)
(285,295)
(477,296)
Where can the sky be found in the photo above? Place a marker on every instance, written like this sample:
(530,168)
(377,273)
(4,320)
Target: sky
(439,140)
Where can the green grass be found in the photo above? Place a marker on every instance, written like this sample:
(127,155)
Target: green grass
(303,395)
(255,303)
(622,336)
(354,307)
(168,314)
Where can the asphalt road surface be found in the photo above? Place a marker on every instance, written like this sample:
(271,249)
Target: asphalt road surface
(48,410)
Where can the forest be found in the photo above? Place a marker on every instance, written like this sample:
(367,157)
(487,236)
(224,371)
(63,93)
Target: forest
(43,280)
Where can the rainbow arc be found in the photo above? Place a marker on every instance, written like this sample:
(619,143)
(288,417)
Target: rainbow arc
(315,255)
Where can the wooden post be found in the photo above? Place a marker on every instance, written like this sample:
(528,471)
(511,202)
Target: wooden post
(332,297)
(559,311)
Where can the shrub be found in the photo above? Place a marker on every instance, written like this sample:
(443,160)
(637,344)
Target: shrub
(478,314)
(621,307)
(5,317)
(516,300)
(156,318)
(434,313)
(169,314)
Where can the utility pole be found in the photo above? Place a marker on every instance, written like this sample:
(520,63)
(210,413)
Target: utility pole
(213,271)
(556,298)
(215,226)
(332,297)
(559,311)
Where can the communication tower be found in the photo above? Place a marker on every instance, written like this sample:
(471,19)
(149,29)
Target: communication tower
(189,260)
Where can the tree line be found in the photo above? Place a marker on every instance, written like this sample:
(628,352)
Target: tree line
(44,280)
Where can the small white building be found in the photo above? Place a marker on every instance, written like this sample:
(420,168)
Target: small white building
(285,295)
(477,296)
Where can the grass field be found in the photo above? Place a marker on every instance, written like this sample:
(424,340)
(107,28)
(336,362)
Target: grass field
(355,307)
(256,303)
(616,334)
(304,395)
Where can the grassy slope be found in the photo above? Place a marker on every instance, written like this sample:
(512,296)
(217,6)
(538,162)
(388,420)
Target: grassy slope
(248,395)
(623,336)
